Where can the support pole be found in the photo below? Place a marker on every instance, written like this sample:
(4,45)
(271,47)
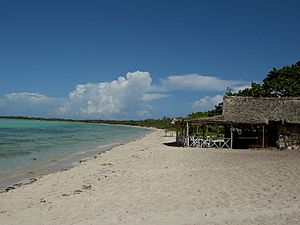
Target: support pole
(263,138)
(187,134)
(231,136)
(206,130)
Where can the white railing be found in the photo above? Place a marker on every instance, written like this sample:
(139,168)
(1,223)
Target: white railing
(203,142)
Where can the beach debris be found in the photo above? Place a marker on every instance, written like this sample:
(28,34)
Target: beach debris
(34,159)
(42,200)
(87,187)
(31,180)
(9,189)
(18,184)
(77,191)
(65,195)
(106,164)
(2,211)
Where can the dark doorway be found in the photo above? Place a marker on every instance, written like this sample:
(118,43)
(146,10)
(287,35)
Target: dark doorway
(272,133)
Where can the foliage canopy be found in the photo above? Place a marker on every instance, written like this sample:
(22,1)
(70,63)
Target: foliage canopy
(283,82)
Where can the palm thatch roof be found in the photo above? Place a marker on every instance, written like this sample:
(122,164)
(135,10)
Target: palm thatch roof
(253,110)
(261,110)
(208,120)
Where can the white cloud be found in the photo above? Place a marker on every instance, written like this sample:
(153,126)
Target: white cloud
(25,96)
(154,96)
(28,104)
(121,98)
(128,97)
(196,82)
(207,102)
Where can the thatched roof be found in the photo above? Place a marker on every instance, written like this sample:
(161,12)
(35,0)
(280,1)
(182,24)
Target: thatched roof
(251,110)
(213,119)
(261,110)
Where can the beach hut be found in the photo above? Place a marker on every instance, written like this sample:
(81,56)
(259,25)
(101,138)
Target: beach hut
(250,122)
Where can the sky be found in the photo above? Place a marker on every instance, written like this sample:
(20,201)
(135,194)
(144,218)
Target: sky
(138,59)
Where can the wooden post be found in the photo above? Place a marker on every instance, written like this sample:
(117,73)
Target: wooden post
(263,138)
(187,134)
(231,136)
(206,130)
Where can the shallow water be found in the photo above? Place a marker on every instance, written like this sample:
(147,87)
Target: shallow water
(30,144)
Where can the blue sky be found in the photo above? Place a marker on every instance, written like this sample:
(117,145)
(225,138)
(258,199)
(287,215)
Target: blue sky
(137,59)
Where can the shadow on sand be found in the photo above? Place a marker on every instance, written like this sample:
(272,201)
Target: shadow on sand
(172,144)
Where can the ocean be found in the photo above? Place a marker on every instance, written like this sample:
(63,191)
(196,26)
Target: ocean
(29,148)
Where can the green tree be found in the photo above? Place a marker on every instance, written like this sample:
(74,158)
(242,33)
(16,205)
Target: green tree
(218,110)
(256,90)
(283,82)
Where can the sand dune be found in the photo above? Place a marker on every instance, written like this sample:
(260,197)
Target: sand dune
(148,182)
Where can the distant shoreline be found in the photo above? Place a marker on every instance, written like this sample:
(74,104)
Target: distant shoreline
(148,123)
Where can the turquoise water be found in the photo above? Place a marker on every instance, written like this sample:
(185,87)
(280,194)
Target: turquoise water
(29,143)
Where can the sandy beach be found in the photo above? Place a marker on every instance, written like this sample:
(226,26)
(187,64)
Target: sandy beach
(149,181)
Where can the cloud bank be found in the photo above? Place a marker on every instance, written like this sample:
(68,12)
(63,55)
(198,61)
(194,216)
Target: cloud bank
(128,97)
(29,104)
(196,82)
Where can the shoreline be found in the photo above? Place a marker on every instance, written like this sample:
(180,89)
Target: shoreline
(149,181)
(12,182)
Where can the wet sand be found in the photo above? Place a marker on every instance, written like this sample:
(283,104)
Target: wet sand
(149,181)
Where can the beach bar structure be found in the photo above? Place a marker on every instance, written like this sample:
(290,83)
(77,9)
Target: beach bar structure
(249,122)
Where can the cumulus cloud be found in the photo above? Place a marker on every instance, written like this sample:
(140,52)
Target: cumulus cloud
(120,98)
(196,82)
(30,104)
(207,102)
(127,97)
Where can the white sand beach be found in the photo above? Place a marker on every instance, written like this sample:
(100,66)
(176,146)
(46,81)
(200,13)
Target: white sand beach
(148,182)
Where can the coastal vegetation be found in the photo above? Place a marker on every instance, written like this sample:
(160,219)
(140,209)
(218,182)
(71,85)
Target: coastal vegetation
(156,123)
(283,82)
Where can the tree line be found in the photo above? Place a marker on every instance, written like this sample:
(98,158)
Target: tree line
(283,82)
(156,123)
